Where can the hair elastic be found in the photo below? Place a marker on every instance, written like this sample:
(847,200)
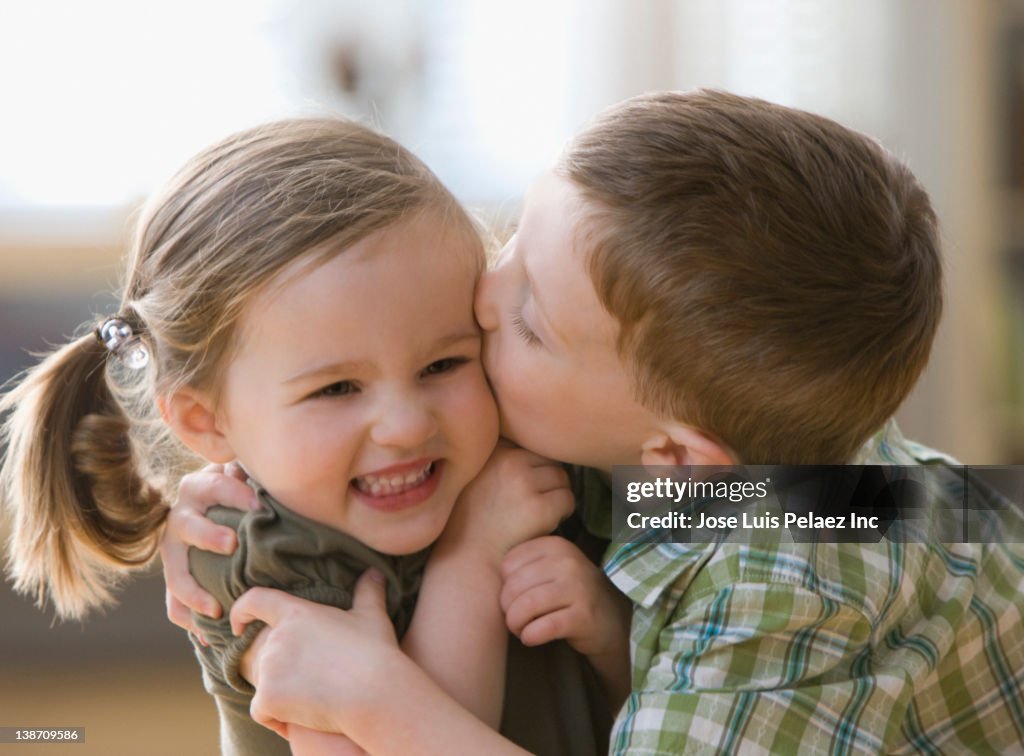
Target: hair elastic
(118,337)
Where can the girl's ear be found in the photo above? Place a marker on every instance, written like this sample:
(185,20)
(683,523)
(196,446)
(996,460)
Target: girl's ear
(190,416)
(677,444)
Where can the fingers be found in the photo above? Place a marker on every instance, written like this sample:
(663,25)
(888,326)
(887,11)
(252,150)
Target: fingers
(235,470)
(535,602)
(534,550)
(547,628)
(548,477)
(534,581)
(187,526)
(183,592)
(179,613)
(190,527)
(210,486)
(547,545)
(540,513)
(268,605)
(369,594)
(520,582)
(561,503)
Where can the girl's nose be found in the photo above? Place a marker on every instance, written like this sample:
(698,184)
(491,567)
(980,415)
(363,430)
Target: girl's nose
(404,422)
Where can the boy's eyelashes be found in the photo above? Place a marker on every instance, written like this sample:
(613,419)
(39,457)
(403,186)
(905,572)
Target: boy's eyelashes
(437,367)
(524,331)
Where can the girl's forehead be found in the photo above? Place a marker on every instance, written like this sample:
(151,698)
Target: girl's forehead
(417,269)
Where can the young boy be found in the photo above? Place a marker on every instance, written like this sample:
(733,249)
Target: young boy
(707,279)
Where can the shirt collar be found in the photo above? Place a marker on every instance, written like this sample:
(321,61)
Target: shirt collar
(644,570)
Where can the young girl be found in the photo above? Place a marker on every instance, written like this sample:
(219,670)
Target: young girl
(298,299)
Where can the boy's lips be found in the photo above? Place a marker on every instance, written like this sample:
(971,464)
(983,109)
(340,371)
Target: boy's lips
(400,486)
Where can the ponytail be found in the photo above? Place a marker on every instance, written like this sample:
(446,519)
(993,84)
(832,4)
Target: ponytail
(81,510)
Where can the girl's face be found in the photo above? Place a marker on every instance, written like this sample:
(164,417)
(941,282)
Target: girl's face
(356,396)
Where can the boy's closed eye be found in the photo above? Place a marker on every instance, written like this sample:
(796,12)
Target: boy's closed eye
(525,332)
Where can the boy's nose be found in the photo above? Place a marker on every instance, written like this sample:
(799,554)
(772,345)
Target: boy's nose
(484,304)
(491,288)
(403,422)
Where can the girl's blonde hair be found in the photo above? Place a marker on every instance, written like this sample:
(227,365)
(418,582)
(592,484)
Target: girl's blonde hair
(90,468)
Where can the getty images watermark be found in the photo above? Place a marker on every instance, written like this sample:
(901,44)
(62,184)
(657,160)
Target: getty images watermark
(841,503)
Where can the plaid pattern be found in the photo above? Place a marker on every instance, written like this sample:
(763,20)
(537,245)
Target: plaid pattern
(776,647)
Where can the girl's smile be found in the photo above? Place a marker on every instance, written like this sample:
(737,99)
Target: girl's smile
(400,486)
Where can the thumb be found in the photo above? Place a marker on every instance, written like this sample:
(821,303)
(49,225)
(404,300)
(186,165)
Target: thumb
(370,592)
(265,604)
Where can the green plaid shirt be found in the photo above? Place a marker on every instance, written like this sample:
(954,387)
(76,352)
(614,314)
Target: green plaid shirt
(806,648)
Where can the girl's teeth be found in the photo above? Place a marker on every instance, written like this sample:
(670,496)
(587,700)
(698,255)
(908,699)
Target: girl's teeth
(392,484)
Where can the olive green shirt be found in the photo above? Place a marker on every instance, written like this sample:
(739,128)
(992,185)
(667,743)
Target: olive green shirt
(553,703)
(278,548)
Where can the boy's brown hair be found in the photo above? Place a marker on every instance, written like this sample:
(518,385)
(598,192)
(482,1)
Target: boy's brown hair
(776,276)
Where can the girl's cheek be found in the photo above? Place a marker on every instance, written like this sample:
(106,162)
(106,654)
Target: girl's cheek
(471,400)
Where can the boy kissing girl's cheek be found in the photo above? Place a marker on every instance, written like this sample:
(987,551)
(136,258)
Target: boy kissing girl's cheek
(551,349)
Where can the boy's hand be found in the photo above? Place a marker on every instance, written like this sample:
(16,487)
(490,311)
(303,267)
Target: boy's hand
(517,496)
(551,590)
(188,526)
(317,666)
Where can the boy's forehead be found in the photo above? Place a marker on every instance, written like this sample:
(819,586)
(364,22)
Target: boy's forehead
(550,241)
(551,189)
(553,216)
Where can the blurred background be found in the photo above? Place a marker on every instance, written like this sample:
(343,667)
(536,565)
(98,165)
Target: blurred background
(103,100)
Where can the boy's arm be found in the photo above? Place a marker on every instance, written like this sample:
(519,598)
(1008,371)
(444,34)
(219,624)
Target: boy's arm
(306,742)
(302,741)
(341,671)
(458,635)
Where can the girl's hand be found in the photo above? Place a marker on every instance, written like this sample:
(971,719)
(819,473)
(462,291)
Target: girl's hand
(188,526)
(317,666)
(518,495)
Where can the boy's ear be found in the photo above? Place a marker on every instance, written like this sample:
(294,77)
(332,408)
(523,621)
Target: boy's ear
(190,416)
(678,444)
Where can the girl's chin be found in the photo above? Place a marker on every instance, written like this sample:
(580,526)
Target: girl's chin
(404,548)
(405,543)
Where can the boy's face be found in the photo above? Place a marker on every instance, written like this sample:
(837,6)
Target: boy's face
(356,395)
(549,345)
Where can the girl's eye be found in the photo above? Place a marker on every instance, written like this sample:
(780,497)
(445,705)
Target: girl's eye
(341,388)
(524,331)
(444,366)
